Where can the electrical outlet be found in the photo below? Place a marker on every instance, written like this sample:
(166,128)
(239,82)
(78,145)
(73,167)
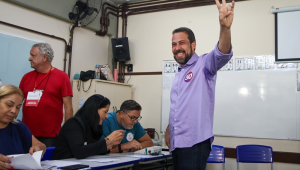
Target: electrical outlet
(129,68)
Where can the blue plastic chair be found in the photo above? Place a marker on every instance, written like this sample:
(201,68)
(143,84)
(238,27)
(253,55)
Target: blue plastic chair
(48,154)
(217,155)
(254,154)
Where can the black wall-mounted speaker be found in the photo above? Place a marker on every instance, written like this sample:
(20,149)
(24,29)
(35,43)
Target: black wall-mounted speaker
(120,49)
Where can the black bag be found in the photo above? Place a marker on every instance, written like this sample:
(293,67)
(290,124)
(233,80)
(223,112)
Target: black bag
(87,75)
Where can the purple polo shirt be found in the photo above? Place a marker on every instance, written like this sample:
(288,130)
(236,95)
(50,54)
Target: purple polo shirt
(193,98)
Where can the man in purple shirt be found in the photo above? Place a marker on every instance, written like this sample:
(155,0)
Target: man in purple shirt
(190,131)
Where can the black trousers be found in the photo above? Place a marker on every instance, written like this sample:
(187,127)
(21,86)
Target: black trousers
(193,158)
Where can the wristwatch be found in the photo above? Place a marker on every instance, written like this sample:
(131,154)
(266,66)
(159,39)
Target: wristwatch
(107,142)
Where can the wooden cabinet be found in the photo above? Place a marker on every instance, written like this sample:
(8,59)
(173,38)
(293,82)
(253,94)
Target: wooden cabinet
(117,93)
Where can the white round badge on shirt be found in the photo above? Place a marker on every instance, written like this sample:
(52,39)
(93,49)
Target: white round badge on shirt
(129,136)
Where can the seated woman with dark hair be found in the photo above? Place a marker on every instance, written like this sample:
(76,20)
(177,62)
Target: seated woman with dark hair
(80,136)
(15,137)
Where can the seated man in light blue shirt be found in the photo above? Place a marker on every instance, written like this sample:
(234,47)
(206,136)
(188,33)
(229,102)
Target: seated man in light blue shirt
(127,118)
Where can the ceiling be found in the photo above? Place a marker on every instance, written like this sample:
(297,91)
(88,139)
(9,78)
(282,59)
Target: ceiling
(118,2)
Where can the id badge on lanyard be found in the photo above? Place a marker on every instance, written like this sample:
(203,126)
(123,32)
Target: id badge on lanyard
(33,98)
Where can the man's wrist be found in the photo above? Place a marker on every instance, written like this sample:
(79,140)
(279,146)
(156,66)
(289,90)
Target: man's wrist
(120,149)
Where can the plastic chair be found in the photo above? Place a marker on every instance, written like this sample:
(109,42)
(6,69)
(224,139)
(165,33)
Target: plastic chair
(254,154)
(217,155)
(48,154)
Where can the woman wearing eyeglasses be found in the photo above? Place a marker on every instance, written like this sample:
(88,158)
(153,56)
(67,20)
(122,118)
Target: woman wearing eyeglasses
(127,118)
(80,136)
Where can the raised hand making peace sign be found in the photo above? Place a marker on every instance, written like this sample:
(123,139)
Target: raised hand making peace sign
(226,19)
(225,13)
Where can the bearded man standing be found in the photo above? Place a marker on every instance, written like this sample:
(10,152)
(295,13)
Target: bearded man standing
(190,132)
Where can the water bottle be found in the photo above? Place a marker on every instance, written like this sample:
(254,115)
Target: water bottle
(97,72)
(116,75)
(0,83)
(76,76)
(163,143)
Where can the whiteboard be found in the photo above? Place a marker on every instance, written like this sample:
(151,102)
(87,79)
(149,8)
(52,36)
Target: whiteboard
(252,103)
(14,54)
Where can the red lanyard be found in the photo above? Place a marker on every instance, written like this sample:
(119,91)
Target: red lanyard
(35,86)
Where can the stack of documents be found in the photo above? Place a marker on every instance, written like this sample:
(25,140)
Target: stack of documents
(27,161)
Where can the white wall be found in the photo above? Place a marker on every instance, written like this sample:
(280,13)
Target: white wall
(253,33)
(150,43)
(88,49)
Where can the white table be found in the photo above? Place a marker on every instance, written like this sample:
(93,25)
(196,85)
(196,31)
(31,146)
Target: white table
(124,160)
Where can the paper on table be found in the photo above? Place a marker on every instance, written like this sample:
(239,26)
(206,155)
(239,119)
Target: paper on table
(102,160)
(58,163)
(139,156)
(26,161)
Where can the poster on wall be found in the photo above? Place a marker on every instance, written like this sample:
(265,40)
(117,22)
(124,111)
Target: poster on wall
(170,67)
(287,65)
(270,62)
(244,63)
(292,65)
(282,65)
(260,62)
(228,66)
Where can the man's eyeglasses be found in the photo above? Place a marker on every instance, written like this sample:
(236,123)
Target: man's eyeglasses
(133,118)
